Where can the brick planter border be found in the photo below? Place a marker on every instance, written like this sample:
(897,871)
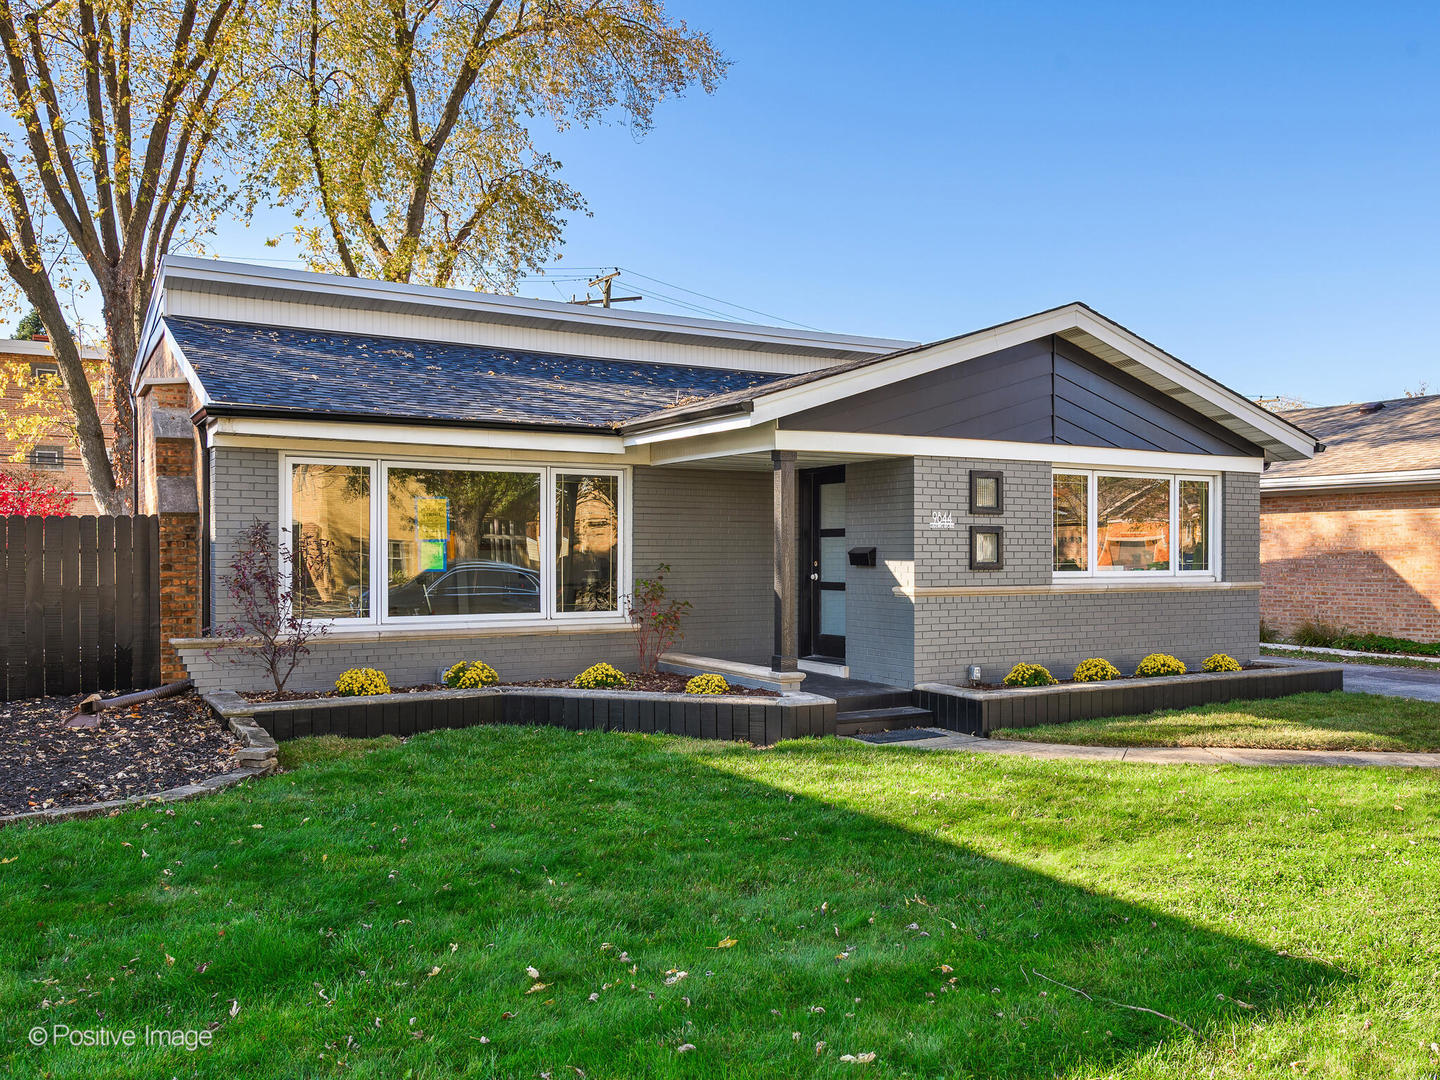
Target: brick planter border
(257,758)
(979,712)
(761,721)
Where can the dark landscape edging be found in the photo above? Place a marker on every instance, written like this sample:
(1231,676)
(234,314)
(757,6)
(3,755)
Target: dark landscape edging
(258,758)
(979,712)
(762,721)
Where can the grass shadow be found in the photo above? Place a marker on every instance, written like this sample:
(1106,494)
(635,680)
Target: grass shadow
(1312,721)
(376,916)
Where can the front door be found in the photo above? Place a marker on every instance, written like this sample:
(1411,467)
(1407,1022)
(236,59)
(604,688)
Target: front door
(822,577)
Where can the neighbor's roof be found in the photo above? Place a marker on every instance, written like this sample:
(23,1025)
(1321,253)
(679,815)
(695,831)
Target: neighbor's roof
(265,370)
(1367,443)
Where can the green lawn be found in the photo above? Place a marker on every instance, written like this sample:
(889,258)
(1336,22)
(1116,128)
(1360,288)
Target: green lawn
(374,914)
(1333,721)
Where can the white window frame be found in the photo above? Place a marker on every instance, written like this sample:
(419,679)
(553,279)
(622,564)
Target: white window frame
(379,617)
(287,527)
(1092,529)
(622,568)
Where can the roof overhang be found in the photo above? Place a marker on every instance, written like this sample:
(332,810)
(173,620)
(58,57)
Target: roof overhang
(1111,342)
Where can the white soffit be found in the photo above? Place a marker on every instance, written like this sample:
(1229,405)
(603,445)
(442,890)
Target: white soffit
(1280,440)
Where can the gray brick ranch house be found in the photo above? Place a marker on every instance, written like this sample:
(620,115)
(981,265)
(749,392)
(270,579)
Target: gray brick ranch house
(490,474)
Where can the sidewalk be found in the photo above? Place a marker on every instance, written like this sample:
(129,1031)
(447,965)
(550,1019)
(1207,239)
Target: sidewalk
(1162,755)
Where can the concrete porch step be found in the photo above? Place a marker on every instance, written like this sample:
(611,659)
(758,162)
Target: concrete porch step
(864,721)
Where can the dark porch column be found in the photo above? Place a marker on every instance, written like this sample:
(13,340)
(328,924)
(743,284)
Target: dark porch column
(787,564)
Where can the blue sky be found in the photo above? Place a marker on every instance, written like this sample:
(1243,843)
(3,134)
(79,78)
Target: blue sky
(1254,187)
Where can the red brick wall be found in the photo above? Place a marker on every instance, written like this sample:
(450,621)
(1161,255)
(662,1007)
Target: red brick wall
(72,476)
(1365,560)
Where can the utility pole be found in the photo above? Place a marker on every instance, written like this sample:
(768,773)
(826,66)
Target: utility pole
(605,300)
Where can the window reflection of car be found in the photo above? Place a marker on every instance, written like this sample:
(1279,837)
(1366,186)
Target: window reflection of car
(467,588)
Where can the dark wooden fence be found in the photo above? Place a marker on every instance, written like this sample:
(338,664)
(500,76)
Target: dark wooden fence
(79,605)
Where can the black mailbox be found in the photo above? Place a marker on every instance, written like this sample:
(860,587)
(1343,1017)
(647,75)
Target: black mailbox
(862,556)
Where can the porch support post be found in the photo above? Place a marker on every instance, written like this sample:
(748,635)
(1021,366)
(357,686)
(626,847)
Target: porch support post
(787,564)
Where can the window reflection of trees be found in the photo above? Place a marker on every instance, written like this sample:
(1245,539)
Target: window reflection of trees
(492,515)
(1133,522)
(587,542)
(330,535)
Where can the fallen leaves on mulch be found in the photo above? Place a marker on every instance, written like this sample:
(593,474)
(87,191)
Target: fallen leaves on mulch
(137,750)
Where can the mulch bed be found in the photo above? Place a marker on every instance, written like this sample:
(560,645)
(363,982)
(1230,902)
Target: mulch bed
(662,682)
(138,750)
(1122,678)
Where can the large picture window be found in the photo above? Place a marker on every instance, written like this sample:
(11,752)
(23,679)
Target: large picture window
(468,541)
(1120,524)
(410,543)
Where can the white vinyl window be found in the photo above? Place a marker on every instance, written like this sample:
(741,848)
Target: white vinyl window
(1110,523)
(426,543)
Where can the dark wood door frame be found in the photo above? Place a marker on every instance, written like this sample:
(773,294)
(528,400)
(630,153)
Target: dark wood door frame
(812,642)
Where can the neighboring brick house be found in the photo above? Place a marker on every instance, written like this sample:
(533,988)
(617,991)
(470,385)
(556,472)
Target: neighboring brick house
(1351,538)
(463,476)
(55,459)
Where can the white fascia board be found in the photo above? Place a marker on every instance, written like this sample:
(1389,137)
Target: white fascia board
(721,444)
(418,435)
(308,287)
(997,450)
(152,326)
(733,422)
(25,347)
(922,361)
(1349,480)
(1162,363)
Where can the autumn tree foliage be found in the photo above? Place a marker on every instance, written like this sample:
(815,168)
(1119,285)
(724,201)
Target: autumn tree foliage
(32,497)
(399,132)
(123,108)
(407,124)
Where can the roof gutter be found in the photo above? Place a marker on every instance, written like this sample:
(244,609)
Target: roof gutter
(675,420)
(217,409)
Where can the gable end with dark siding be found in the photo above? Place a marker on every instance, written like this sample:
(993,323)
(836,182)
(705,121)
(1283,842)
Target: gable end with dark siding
(1044,391)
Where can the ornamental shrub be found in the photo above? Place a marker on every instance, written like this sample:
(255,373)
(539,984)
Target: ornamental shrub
(360,681)
(470,674)
(1159,663)
(709,683)
(1221,662)
(600,677)
(1315,634)
(1029,675)
(1095,669)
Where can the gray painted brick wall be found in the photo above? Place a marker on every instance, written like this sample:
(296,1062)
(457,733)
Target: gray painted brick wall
(1061,630)
(942,556)
(1240,522)
(410,661)
(245,485)
(716,530)
(937,638)
(880,626)
(713,527)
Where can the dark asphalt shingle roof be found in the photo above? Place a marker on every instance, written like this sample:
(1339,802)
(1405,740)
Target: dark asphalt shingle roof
(323,372)
(1398,435)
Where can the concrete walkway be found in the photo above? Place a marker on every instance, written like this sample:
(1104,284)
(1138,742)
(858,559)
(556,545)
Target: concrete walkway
(1161,755)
